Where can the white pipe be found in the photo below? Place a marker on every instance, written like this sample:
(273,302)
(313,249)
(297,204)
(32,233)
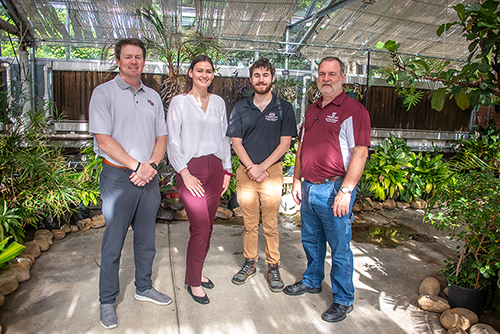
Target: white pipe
(46,94)
(304,97)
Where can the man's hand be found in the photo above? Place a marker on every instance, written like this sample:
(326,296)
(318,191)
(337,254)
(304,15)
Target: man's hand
(341,204)
(225,183)
(263,177)
(297,191)
(144,174)
(254,172)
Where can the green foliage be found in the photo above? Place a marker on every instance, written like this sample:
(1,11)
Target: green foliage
(386,170)
(89,177)
(289,157)
(7,254)
(474,83)
(287,89)
(423,174)
(10,223)
(34,175)
(471,196)
(235,162)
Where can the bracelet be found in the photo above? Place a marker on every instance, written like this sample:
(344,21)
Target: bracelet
(137,168)
(188,174)
(228,173)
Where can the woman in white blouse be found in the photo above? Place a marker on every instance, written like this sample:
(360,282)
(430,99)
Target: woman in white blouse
(199,151)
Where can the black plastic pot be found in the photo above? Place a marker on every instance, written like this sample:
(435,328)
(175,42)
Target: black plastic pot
(353,95)
(233,201)
(471,299)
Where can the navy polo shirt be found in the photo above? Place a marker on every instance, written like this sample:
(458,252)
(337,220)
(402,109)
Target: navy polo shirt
(261,131)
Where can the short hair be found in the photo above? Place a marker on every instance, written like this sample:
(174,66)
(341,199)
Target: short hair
(129,41)
(330,58)
(262,62)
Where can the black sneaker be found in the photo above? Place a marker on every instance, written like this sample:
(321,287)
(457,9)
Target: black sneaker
(336,312)
(248,271)
(299,289)
(274,278)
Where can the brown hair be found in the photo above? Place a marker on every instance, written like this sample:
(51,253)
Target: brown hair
(189,81)
(262,62)
(129,41)
(341,63)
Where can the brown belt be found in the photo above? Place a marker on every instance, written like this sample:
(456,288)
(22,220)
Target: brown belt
(112,164)
(332,179)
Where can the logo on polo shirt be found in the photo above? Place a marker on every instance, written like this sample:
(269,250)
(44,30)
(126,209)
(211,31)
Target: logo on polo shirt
(271,117)
(332,118)
(151,102)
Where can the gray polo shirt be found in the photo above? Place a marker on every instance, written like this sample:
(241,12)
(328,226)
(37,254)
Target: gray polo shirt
(133,118)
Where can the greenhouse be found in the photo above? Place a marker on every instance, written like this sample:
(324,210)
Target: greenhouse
(418,120)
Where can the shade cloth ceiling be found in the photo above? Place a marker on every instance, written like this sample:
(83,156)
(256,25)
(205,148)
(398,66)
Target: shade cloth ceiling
(348,28)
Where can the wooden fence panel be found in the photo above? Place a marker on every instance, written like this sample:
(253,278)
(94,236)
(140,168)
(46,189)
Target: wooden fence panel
(72,92)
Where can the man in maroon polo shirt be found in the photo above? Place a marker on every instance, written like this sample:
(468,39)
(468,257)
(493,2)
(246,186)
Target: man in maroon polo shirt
(331,156)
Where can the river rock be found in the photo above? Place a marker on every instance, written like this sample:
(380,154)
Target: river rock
(356,207)
(223,213)
(31,249)
(237,212)
(418,204)
(482,329)
(456,330)
(389,204)
(433,303)
(66,228)
(58,234)
(84,224)
(445,291)
(2,301)
(22,262)
(377,205)
(458,317)
(98,221)
(8,282)
(402,205)
(181,215)
(74,228)
(42,243)
(429,286)
(44,233)
(22,274)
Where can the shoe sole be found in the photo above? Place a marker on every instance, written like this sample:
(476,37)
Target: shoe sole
(240,283)
(276,290)
(349,310)
(147,299)
(301,293)
(110,326)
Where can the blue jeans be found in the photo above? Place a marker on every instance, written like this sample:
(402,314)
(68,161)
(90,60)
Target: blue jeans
(320,226)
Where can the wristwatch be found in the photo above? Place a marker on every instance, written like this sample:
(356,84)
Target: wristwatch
(154,166)
(345,190)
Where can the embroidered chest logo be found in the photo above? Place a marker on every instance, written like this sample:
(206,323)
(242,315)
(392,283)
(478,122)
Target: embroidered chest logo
(332,118)
(151,102)
(271,117)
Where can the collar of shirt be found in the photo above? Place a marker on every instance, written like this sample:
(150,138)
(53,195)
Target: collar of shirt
(336,101)
(123,85)
(249,103)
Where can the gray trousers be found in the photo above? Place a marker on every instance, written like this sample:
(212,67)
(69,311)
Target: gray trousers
(125,204)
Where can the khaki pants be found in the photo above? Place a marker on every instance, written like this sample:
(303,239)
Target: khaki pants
(266,195)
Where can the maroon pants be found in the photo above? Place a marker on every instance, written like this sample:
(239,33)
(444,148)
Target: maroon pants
(201,212)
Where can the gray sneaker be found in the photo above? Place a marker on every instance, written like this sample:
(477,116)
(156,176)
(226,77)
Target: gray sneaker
(109,320)
(154,296)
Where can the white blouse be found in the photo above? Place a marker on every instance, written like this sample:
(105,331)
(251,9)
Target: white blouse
(194,133)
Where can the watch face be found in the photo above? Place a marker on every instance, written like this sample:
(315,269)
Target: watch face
(345,190)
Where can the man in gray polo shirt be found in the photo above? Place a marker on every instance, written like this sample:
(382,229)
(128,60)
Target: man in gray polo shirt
(130,133)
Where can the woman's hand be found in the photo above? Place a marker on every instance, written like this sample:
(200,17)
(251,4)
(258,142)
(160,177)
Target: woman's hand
(225,183)
(193,185)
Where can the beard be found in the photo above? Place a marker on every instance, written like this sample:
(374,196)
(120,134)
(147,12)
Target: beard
(262,90)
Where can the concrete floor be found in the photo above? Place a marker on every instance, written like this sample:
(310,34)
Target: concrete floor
(62,294)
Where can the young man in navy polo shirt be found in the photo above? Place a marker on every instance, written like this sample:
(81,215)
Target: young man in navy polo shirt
(261,128)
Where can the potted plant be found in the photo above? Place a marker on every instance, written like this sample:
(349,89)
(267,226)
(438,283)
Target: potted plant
(471,198)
